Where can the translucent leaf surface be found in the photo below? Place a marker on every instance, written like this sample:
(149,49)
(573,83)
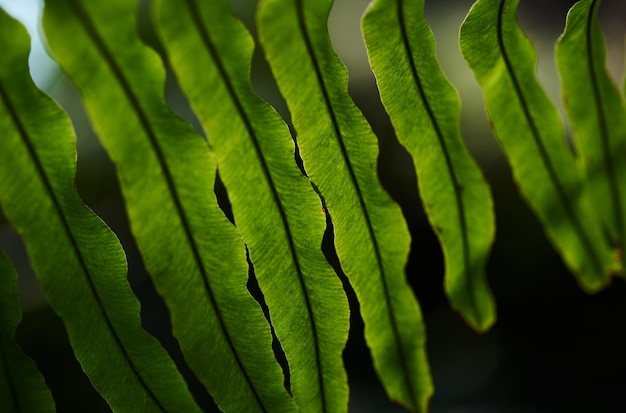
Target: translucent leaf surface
(340,155)
(78,260)
(596,112)
(530,131)
(424,109)
(280,216)
(195,256)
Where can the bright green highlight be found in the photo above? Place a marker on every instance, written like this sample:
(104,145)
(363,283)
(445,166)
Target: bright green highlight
(280,216)
(195,256)
(340,155)
(78,260)
(424,109)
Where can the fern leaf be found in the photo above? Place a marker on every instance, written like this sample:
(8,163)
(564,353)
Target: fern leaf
(195,256)
(78,260)
(22,387)
(340,152)
(424,109)
(596,112)
(530,130)
(280,216)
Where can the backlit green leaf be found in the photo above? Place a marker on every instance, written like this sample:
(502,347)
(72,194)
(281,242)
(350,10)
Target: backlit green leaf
(78,260)
(195,256)
(280,216)
(424,109)
(596,112)
(22,387)
(340,155)
(530,130)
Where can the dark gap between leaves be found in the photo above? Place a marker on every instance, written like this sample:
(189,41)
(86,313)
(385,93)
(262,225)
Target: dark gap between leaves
(257,294)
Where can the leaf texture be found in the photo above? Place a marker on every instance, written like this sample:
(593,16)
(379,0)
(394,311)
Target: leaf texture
(340,152)
(424,110)
(530,130)
(195,256)
(78,260)
(22,387)
(276,209)
(597,114)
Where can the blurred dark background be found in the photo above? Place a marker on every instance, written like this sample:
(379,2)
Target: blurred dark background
(554,348)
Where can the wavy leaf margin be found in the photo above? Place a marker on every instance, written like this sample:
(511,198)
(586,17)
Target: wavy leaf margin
(456,197)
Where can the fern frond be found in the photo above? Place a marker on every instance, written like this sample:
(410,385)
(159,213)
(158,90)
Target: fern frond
(193,253)
(340,153)
(78,260)
(424,110)
(596,112)
(280,216)
(22,387)
(530,130)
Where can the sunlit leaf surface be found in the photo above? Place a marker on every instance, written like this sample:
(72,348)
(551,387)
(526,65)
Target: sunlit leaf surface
(424,109)
(280,216)
(78,260)
(340,154)
(195,256)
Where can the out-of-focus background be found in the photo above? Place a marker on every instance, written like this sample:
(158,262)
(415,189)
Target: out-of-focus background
(553,349)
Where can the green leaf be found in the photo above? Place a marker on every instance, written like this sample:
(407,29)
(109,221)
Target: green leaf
(22,387)
(195,256)
(280,216)
(596,112)
(530,130)
(340,154)
(424,110)
(78,260)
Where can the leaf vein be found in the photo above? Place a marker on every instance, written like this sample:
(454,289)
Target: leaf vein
(460,206)
(344,152)
(243,115)
(74,243)
(562,195)
(604,129)
(143,119)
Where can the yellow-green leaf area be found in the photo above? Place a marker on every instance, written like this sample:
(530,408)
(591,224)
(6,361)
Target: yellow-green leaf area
(456,197)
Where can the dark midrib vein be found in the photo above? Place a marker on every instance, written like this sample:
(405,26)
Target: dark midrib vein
(344,153)
(449,164)
(210,46)
(604,129)
(542,150)
(74,243)
(7,369)
(89,27)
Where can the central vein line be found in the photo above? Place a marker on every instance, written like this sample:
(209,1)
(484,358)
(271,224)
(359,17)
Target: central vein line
(449,164)
(56,204)
(609,165)
(344,152)
(245,118)
(562,195)
(89,27)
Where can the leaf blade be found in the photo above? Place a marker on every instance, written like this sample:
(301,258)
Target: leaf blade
(455,195)
(530,131)
(199,266)
(339,152)
(78,260)
(254,150)
(22,386)
(599,131)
